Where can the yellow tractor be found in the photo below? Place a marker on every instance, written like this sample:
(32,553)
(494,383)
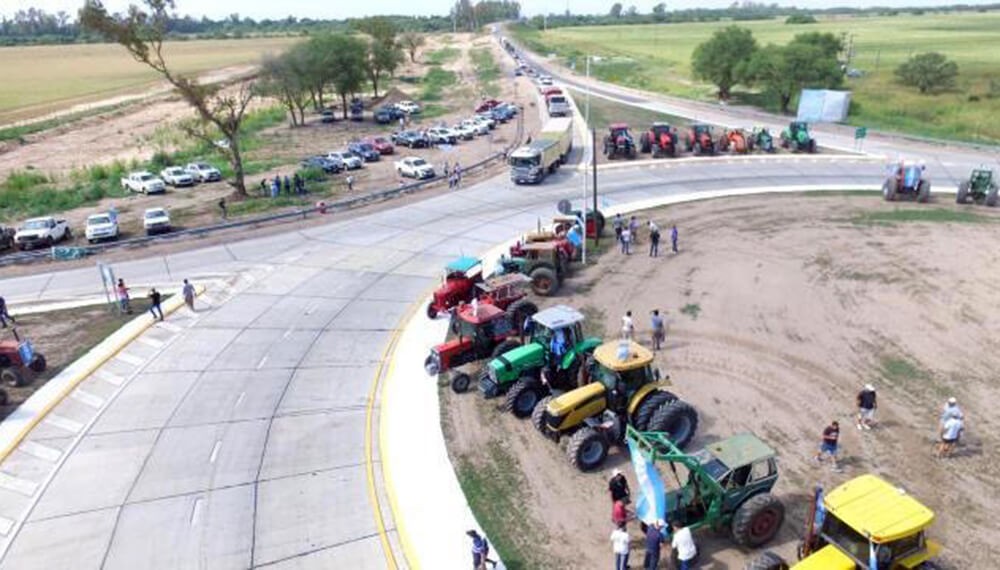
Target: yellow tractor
(620,388)
(864,524)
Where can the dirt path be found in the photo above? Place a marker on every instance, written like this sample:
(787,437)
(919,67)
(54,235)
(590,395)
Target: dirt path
(781,308)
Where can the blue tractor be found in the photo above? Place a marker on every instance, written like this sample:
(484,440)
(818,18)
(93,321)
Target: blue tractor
(906,180)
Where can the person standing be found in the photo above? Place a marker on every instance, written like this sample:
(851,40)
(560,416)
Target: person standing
(288,185)
(659,329)
(950,410)
(123,300)
(113,213)
(458,174)
(276,186)
(951,430)
(633,228)
(620,547)
(263,186)
(654,240)
(445,168)
(619,225)
(4,314)
(222,207)
(188,291)
(628,326)
(620,515)
(673,237)
(654,537)
(350,183)
(683,543)
(299,184)
(831,437)
(618,486)
(867,404)
(626,240)
(154,303)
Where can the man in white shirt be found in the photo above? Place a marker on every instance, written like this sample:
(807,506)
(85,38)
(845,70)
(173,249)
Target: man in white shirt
(950,410)
(683,543)
(950,432)
(628,326)
(620,546)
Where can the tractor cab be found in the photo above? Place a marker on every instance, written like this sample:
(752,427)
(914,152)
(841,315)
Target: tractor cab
(981,187)
(699,139)
(796,137)
(561,323)
(624,368)
(546,263)
(618,131)
(660,129)
(460,277)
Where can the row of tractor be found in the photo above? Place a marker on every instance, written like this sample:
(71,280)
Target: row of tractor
(665,140)
(907,180)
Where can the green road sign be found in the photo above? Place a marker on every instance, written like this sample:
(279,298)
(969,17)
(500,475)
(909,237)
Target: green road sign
(860,132)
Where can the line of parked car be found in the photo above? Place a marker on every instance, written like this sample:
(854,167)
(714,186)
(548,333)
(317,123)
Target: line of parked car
(47,231)
(145,182)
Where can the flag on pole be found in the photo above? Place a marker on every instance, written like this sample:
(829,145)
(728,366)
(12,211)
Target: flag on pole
(820,510)
(872,556)
(652,503)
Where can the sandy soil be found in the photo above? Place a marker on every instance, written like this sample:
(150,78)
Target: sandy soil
(793,303)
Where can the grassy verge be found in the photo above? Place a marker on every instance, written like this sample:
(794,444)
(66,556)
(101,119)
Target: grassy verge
(487,71)
(442,56)
(939,215)
(435,82)
(604,112)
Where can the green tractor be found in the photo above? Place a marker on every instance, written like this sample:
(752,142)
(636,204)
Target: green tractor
(981,187)
(728,485)
(797,138)
(624,389)
(529,372)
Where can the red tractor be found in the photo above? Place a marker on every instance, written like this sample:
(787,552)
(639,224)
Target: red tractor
(481,330)
(460,279)
(735,140)
(699,139)
(18,362)
(661,139)
(618,143)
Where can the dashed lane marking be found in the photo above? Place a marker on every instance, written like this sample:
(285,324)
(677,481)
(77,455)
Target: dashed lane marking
(17,484)
(65,423)
(87,398)
(129,358)
(148,341)
(110,377)
(40,451)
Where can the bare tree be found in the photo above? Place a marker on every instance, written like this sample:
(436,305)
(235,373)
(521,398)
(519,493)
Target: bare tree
(412,41)
(142,33)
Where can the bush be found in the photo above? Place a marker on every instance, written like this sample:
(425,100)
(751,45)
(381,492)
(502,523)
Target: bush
(800,19)
(312,174)
(928,72)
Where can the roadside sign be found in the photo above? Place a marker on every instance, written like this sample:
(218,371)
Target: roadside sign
(860,133)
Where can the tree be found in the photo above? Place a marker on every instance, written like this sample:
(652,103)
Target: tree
(412,41)
(928,72)
(616,10)
(783,71)
(142,34)
(347,72)
(660,12)
(632,11)
(287,78)
(723,58)
(383,53)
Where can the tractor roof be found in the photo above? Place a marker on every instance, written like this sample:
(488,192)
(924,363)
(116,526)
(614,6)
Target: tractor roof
(558,317)
(484,313)
(740,449)
(462,264)
(660,124)
(618,126)
(539,245)
(637,356)
(505,280)
(872,506)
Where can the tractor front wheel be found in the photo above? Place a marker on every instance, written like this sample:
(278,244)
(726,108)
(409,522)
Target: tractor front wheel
(991,197)
(520,311)
(889,189)
(432,313)
(678,420)
(460,383)
(924,191)
(538,414)
(37,364)
(587,449)
(12,378)
(963,192)
(544,281)
(766,561)
(757,520)
(522,397)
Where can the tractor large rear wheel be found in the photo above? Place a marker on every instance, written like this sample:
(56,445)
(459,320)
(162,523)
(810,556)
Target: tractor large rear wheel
(767,560)
(963,192)
(644,145)
(522,397)
(538,414)
(757,520)
(12,378)
(889,189)
(519,312)
(991,197)
(587,449)
(544,281)
(924,191)
(38,364)
(678,420)
(649,406)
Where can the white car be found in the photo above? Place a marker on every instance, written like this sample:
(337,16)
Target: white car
(478,127)
(177,176)
(490,123)
(408,107)
(545,80)
(441,135)
(349,160)
(41,232)
(414,167)
(143,182)
(101,226)
(465,132)
(156,221)
(203,172)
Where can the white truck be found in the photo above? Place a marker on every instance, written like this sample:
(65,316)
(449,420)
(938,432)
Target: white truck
(156,221)
(414,167)
(101,226)
(534,161)
(144,182)
(558,105)
(41,232)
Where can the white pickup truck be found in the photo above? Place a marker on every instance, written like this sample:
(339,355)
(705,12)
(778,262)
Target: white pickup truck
(414,167)
(101,226)
(41,232)
(144,182)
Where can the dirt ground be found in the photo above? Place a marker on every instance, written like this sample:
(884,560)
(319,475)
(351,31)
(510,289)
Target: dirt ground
(781,308)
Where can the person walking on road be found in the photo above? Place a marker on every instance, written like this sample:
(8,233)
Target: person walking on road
(626,239)
(4,314)
(154,303)
(458,174)
(951,430)
(867,404)
(654,240)
(222,207)
(188,292)
(618,486)
(620,547)
(683,543)
(123,300)
(831,437)
(659,332)
(480,550)
(628,326)
(673,237)
(653,540)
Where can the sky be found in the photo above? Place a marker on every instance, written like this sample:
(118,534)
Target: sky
(322,9)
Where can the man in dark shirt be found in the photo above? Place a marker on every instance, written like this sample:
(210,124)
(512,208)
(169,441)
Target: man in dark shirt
(618,486)
(154,306)
(867,404)
(654,537)
(831,436)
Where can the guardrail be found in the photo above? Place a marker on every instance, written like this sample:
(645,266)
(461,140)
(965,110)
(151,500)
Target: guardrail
(337,205)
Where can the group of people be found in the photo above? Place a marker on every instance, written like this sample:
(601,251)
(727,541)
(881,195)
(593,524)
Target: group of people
(657,324)
(654,535)
(627,235)
(951,424)
(454,174)
(155,298)
(296,183)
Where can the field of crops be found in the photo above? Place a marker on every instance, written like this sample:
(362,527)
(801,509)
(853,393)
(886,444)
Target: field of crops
(657,58)
(43,79)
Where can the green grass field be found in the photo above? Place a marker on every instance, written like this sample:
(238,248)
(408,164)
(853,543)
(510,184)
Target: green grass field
(657,58)
(43,79)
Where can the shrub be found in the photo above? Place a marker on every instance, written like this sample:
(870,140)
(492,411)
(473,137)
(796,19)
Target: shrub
(928,72)
(800,19)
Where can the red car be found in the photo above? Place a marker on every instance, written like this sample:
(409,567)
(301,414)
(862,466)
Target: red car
(546,91)
(487,105)
(382,145)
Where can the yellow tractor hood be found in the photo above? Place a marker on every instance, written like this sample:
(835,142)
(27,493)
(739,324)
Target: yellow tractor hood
(827,558)
(874,507)
(575,399)
(637,356)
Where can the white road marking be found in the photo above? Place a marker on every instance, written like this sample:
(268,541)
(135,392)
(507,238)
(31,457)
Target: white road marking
(63,423)
(196,511)
(170,327)
(87,398)
(311,308)
(287,333)
(5,525)
(240,399)
(148,341)
(17,484)
(129,358)
(207,299)
(261,363)
(110,377)
(215,451)
(40,451)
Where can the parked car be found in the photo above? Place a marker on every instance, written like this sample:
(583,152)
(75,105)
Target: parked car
(327,116)
(41,232)
(176,176)
(478,127)
(143,182)
(387,114)
(465,132)
(203,172)
(545,80)
(518,72)
(486,105)
(441,135)
(411,139)
(408,107)
(382,145)
(336,159)
(348,160)
(511,108)
(101,226)
(323,163)
(365,150)
(414,167)
(490,123)
(501,114)
(156,221)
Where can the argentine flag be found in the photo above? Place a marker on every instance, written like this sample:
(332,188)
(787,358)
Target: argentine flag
(872,557)
(652,503)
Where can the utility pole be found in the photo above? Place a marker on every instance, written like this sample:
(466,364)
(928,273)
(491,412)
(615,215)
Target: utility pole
(593,167)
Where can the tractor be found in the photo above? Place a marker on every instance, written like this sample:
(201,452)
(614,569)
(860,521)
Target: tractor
(661,140)
(797,138)
(618,143)
(906,180)
(623,389)
(699,139)
(542,261)
(981,187)
(735,139)
(727,489)
(18,360)
(480,330)
(762,139)
(530,372)
(463,281)
(866,523)
(561,224)
(563,245)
